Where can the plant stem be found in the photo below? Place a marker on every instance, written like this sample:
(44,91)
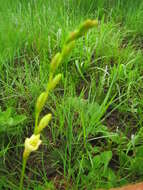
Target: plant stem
(36,121)
(22,173)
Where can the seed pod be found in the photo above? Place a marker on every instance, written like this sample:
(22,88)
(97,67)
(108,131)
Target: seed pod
(43,123)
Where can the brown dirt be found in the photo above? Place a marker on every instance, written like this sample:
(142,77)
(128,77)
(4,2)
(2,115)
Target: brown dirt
(138,186)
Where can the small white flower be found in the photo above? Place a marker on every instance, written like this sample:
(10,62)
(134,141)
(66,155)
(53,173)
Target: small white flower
(31,144)
(133,139)
(132,136)
(117,129)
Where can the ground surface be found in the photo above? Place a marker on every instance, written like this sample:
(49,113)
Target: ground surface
(95,139)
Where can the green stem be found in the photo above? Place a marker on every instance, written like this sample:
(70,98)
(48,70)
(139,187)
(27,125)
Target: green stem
(36,122)
(50,76)
(22,173)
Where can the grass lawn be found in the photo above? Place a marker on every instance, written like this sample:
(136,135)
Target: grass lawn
(95,137)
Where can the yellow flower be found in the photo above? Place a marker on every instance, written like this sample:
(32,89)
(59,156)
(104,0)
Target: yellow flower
(31,144)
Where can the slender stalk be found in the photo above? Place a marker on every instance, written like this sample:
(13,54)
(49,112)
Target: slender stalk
(36,121)
(22,173)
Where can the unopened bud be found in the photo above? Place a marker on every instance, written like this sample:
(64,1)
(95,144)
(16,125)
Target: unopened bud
(41,101)
(67,49)
(52,84)
(82,30)
(73,36)
(87,25)
(55,62)
(43,123)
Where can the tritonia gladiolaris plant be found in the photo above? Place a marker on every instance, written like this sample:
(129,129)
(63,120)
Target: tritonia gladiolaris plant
(32,143)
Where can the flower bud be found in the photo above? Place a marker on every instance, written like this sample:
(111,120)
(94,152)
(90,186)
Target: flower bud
(82,29)
(87,25)
(31,144)
(43,123)
(55,62)
(67,49)
(52,84)
(73,36)
(41,101)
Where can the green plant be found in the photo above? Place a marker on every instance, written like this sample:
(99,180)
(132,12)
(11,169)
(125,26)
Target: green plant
(10,126)
(9,121)
(33,143)
(32,32)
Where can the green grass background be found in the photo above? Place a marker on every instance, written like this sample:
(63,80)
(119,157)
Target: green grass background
(95,138)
